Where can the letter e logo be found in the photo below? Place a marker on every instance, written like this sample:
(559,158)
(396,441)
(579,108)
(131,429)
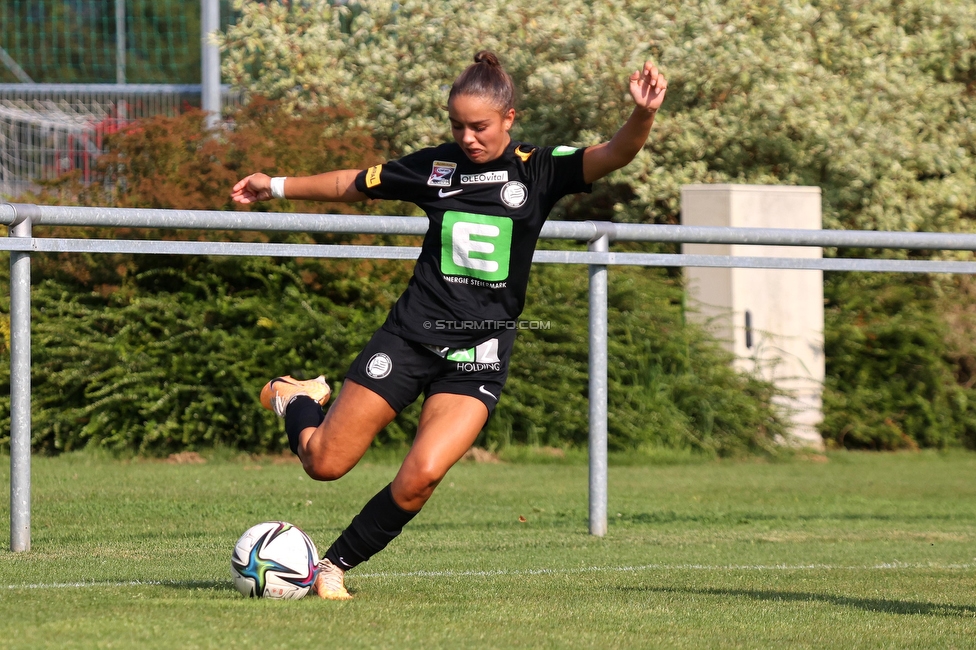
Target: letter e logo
(476,245)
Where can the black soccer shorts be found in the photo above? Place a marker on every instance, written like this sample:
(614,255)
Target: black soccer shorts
(399,370)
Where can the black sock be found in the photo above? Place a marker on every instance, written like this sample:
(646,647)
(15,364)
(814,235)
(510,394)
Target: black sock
(376,525)
(301,413)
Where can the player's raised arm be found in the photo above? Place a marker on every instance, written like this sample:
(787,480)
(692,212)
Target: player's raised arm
(337,186)
(647,88)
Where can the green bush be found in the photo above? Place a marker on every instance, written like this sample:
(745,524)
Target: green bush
(888,328)
(175,357)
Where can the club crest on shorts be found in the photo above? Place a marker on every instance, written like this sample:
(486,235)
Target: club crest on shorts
(441,173)
(379,366)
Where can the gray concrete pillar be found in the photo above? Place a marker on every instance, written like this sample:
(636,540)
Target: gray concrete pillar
(770,319)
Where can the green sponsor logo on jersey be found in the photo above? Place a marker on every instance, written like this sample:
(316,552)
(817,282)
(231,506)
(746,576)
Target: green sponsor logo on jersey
(476,245)
(564,151)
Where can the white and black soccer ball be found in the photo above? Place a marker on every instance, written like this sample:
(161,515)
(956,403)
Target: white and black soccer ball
(274,560)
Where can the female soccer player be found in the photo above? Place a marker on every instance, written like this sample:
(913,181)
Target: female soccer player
(450,335)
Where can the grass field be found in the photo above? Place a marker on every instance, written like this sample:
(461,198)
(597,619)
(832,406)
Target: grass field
(859,551)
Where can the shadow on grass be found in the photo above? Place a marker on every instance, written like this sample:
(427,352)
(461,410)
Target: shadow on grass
(880,605)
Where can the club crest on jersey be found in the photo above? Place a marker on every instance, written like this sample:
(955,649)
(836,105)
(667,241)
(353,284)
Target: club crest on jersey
(441,173)
(513,194)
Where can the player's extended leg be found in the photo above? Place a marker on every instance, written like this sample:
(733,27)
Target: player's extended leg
(334,447)
(449,425)
(328,444)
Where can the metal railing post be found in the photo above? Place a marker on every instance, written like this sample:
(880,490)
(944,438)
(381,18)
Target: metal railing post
(598,387)
(120,41)
(210,62)
(20,385)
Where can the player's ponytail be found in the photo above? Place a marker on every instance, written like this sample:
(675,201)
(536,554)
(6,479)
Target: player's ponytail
(486,78)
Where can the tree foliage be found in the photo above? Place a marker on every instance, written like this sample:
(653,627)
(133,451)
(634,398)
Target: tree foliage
(871,100)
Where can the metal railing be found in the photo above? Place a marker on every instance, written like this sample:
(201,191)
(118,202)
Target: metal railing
(21,218)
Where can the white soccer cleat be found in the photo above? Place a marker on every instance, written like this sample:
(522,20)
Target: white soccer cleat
(278,393)
(329,582)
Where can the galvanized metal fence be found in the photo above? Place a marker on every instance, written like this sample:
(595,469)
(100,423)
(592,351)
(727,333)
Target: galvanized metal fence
(21,218)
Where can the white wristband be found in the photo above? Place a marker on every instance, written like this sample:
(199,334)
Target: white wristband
(278,187)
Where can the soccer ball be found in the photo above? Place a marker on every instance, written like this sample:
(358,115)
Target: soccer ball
(274,560)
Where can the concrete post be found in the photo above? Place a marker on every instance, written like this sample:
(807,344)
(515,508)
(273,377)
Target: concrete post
(772,320)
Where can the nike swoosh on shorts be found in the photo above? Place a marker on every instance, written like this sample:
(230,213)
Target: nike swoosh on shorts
(482,389)
(444,195)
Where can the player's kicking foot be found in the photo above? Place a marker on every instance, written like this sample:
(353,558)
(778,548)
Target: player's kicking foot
(329,582)
(280,391)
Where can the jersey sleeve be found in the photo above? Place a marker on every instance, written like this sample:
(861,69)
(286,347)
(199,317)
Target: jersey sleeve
(560,169)
(403,179)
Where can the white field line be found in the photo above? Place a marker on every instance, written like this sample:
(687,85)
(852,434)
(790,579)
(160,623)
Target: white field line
(664,567)
(534,572)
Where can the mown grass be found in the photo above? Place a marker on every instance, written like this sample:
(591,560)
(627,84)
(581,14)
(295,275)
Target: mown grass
(860,551)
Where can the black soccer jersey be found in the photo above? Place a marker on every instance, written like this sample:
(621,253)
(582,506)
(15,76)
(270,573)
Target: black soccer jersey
(470,279)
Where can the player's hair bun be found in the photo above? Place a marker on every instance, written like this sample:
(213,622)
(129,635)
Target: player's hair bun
(486,78)
(488,58)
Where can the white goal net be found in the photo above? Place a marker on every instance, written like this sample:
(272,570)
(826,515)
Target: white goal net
(49,130)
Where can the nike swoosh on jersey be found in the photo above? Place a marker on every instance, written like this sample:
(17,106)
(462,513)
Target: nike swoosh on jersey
(444,195)
(482,389)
